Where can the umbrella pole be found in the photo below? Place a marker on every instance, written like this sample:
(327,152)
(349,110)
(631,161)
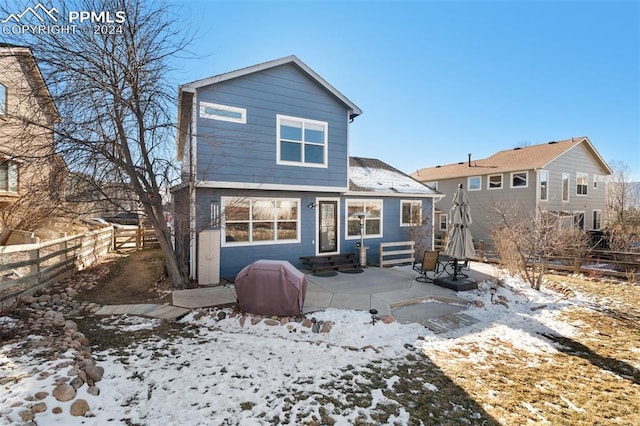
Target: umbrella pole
(455,269)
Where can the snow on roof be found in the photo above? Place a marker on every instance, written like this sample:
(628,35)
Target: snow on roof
(371,175)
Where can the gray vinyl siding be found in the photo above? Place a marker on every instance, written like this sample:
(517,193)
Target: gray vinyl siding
(234,258)
(577,160)
(234,152)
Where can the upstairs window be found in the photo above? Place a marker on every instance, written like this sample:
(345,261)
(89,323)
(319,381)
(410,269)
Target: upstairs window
(544,185)
(444,220)
(519,180)
(565,187)
(223,112)
(494,182)
(301,142)
(3,99)
(372,222)
(433,185)
(582,183)
(411,212)
(474,183)
(8,175)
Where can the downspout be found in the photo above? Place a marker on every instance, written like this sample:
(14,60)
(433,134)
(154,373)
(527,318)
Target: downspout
(193,264)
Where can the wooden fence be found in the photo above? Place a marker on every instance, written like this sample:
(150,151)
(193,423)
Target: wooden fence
(25,268)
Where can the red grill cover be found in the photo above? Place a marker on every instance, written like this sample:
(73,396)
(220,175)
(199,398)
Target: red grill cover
(271,287)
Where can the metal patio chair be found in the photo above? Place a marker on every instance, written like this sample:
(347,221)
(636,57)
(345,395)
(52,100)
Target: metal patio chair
(430,263)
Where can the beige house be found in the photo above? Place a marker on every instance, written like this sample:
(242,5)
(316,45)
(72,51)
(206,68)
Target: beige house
(567,178)
(27,116)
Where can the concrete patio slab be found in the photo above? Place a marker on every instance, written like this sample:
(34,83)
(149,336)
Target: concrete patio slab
(204,297)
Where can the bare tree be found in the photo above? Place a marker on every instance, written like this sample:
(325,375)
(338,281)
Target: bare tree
(525,242)
(117,107)
(623,208)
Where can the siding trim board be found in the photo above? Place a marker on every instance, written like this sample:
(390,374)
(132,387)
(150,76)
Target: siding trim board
(268,186)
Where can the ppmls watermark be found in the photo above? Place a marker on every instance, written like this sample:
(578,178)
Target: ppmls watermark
(47,21)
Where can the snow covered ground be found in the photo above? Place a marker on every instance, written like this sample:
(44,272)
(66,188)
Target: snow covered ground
(254,374)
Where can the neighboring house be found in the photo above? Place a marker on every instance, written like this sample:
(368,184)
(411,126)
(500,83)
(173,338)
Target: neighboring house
(264,153)
(566,178)
(27,117)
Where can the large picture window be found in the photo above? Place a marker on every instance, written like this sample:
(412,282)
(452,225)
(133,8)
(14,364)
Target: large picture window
(372,222)
(411,212)
(301,141)
(8,175)
(260,220)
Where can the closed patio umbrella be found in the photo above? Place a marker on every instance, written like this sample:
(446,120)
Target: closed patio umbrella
(460,244)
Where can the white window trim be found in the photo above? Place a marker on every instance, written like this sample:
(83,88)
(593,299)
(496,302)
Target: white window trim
(584,219)
(540,172)
(517,173)
(479,188)
(325,159)
(568,176)
(586,185)
(205,114)
(592,217)
(419,203)
(446,222)
(596,179)
(346,218)
(225,243)
(489,182)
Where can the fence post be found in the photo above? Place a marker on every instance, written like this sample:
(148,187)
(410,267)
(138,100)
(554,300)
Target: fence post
(139,238)
(34,254)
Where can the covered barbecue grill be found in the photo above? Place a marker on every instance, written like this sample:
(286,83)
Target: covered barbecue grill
(271,287)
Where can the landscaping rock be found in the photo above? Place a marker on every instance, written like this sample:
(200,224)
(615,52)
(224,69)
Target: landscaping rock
(94,373)
(64,392)
(79,408)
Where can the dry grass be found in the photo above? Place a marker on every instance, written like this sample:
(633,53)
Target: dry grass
(593,378)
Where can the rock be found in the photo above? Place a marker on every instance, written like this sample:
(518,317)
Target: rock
(79,408)
(56,410)
(94,373)
(39,407)
(243,319)
(307,323)
(64,392)
(221,315)
(41,395)
(45,298)
(271,322)
(387,319)
(77,382)
(93,390)
(316,326)
(27,300)
(326,327)
(26,416)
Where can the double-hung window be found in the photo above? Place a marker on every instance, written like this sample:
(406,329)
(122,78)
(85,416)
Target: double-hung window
(519,180)
(544,185)
(372,220)
(3,99)
(494,182)
(474,183)
(260,220)
(411,212)
(302,142)
(582,183)
(8,175)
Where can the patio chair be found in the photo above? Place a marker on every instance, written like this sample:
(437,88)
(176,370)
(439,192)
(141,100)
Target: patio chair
(430,263)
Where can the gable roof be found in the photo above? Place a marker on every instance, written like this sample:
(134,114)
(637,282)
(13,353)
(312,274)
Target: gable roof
(25,52)
(372,175)
(510,160)
(186,91)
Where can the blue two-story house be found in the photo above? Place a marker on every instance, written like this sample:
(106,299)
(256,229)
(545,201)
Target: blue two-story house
(265,160)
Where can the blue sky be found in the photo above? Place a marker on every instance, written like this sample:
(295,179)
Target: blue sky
(437,80)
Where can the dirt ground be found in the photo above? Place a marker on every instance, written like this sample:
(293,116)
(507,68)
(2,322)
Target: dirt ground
(134,277)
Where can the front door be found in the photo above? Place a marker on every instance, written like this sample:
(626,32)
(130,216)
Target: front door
(327,226)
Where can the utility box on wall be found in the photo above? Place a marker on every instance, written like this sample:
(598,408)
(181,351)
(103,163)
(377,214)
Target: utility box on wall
(209,257)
